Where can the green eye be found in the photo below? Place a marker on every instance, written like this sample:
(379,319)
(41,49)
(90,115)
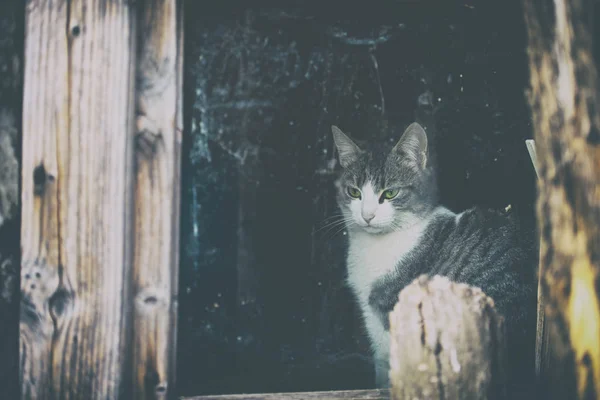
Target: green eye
(390,194)
(354,192)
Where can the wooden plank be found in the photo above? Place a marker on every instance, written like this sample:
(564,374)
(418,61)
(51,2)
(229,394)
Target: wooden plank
(564,102)
(447,342)
(375,394)
(76,185)
(530,143)
(157,186)
(541,337)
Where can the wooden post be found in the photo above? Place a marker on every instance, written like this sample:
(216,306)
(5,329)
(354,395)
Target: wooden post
(564,103)
(541,336)
(157,187)
(447,342)
(76,185)
(88,258)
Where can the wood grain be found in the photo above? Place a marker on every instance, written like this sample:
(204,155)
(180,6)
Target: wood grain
(541,334)
(76,197)
(532,154)
(157,187)
(447,342)
(564,102)
(375,394)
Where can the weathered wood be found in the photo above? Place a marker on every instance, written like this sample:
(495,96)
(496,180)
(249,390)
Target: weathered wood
(156,197)
(532,154)
(447,342)
(376,394)
(76,195)
(564,103)
(541,334)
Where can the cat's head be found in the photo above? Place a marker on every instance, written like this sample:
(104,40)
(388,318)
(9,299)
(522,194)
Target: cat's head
(384,188)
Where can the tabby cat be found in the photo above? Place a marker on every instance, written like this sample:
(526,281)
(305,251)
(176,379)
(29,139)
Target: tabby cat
(397,231)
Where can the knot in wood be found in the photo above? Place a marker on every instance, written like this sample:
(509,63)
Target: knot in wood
(39,282)
(41,179)
(76,31)
(60,303)
(147,143)
(151,298)
(148,137)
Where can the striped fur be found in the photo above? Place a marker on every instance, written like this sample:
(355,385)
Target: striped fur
(411,235)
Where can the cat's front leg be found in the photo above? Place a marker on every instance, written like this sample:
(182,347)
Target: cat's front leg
(383,298)
(382,372)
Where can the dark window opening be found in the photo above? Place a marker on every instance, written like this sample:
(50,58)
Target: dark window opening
(264,306)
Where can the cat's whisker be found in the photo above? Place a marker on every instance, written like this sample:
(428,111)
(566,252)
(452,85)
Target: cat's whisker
(333,224)
(333,216)
(339,231)
(331,233)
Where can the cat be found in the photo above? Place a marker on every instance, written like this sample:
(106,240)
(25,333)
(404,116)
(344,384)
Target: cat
(398,231)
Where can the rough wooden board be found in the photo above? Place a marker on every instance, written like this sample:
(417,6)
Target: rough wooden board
(541,339)
(156,197)
(76,197)
(375,394)
(530,143)
(564,103)
(447,343)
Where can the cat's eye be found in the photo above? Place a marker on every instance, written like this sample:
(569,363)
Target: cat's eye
(390,194)
(353,192)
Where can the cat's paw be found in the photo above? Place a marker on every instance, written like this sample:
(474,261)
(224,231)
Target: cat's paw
(382,299)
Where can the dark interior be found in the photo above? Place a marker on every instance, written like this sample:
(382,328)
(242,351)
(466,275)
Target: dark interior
(263,301)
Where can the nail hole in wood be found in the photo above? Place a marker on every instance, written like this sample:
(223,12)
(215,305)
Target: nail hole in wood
(76,30)
(32,286)
(27,276)
(151,300)
(37,275)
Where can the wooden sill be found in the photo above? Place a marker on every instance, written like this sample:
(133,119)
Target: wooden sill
(374,394)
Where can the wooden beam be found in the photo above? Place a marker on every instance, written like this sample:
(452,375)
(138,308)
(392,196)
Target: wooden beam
(541,334)
(530,144)
(375,394)
(564,103)
(76,196)
(157,187)
(447,342)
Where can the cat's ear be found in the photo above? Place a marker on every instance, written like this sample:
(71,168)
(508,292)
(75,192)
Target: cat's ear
(413,144)
(347,149)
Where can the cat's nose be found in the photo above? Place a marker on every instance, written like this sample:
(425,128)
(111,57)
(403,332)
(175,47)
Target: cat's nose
(368,217)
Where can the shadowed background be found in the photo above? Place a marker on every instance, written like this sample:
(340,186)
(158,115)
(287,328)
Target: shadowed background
(263,302)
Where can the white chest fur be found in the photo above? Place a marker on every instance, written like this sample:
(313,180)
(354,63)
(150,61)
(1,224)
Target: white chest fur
(372,256)
(369,258)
